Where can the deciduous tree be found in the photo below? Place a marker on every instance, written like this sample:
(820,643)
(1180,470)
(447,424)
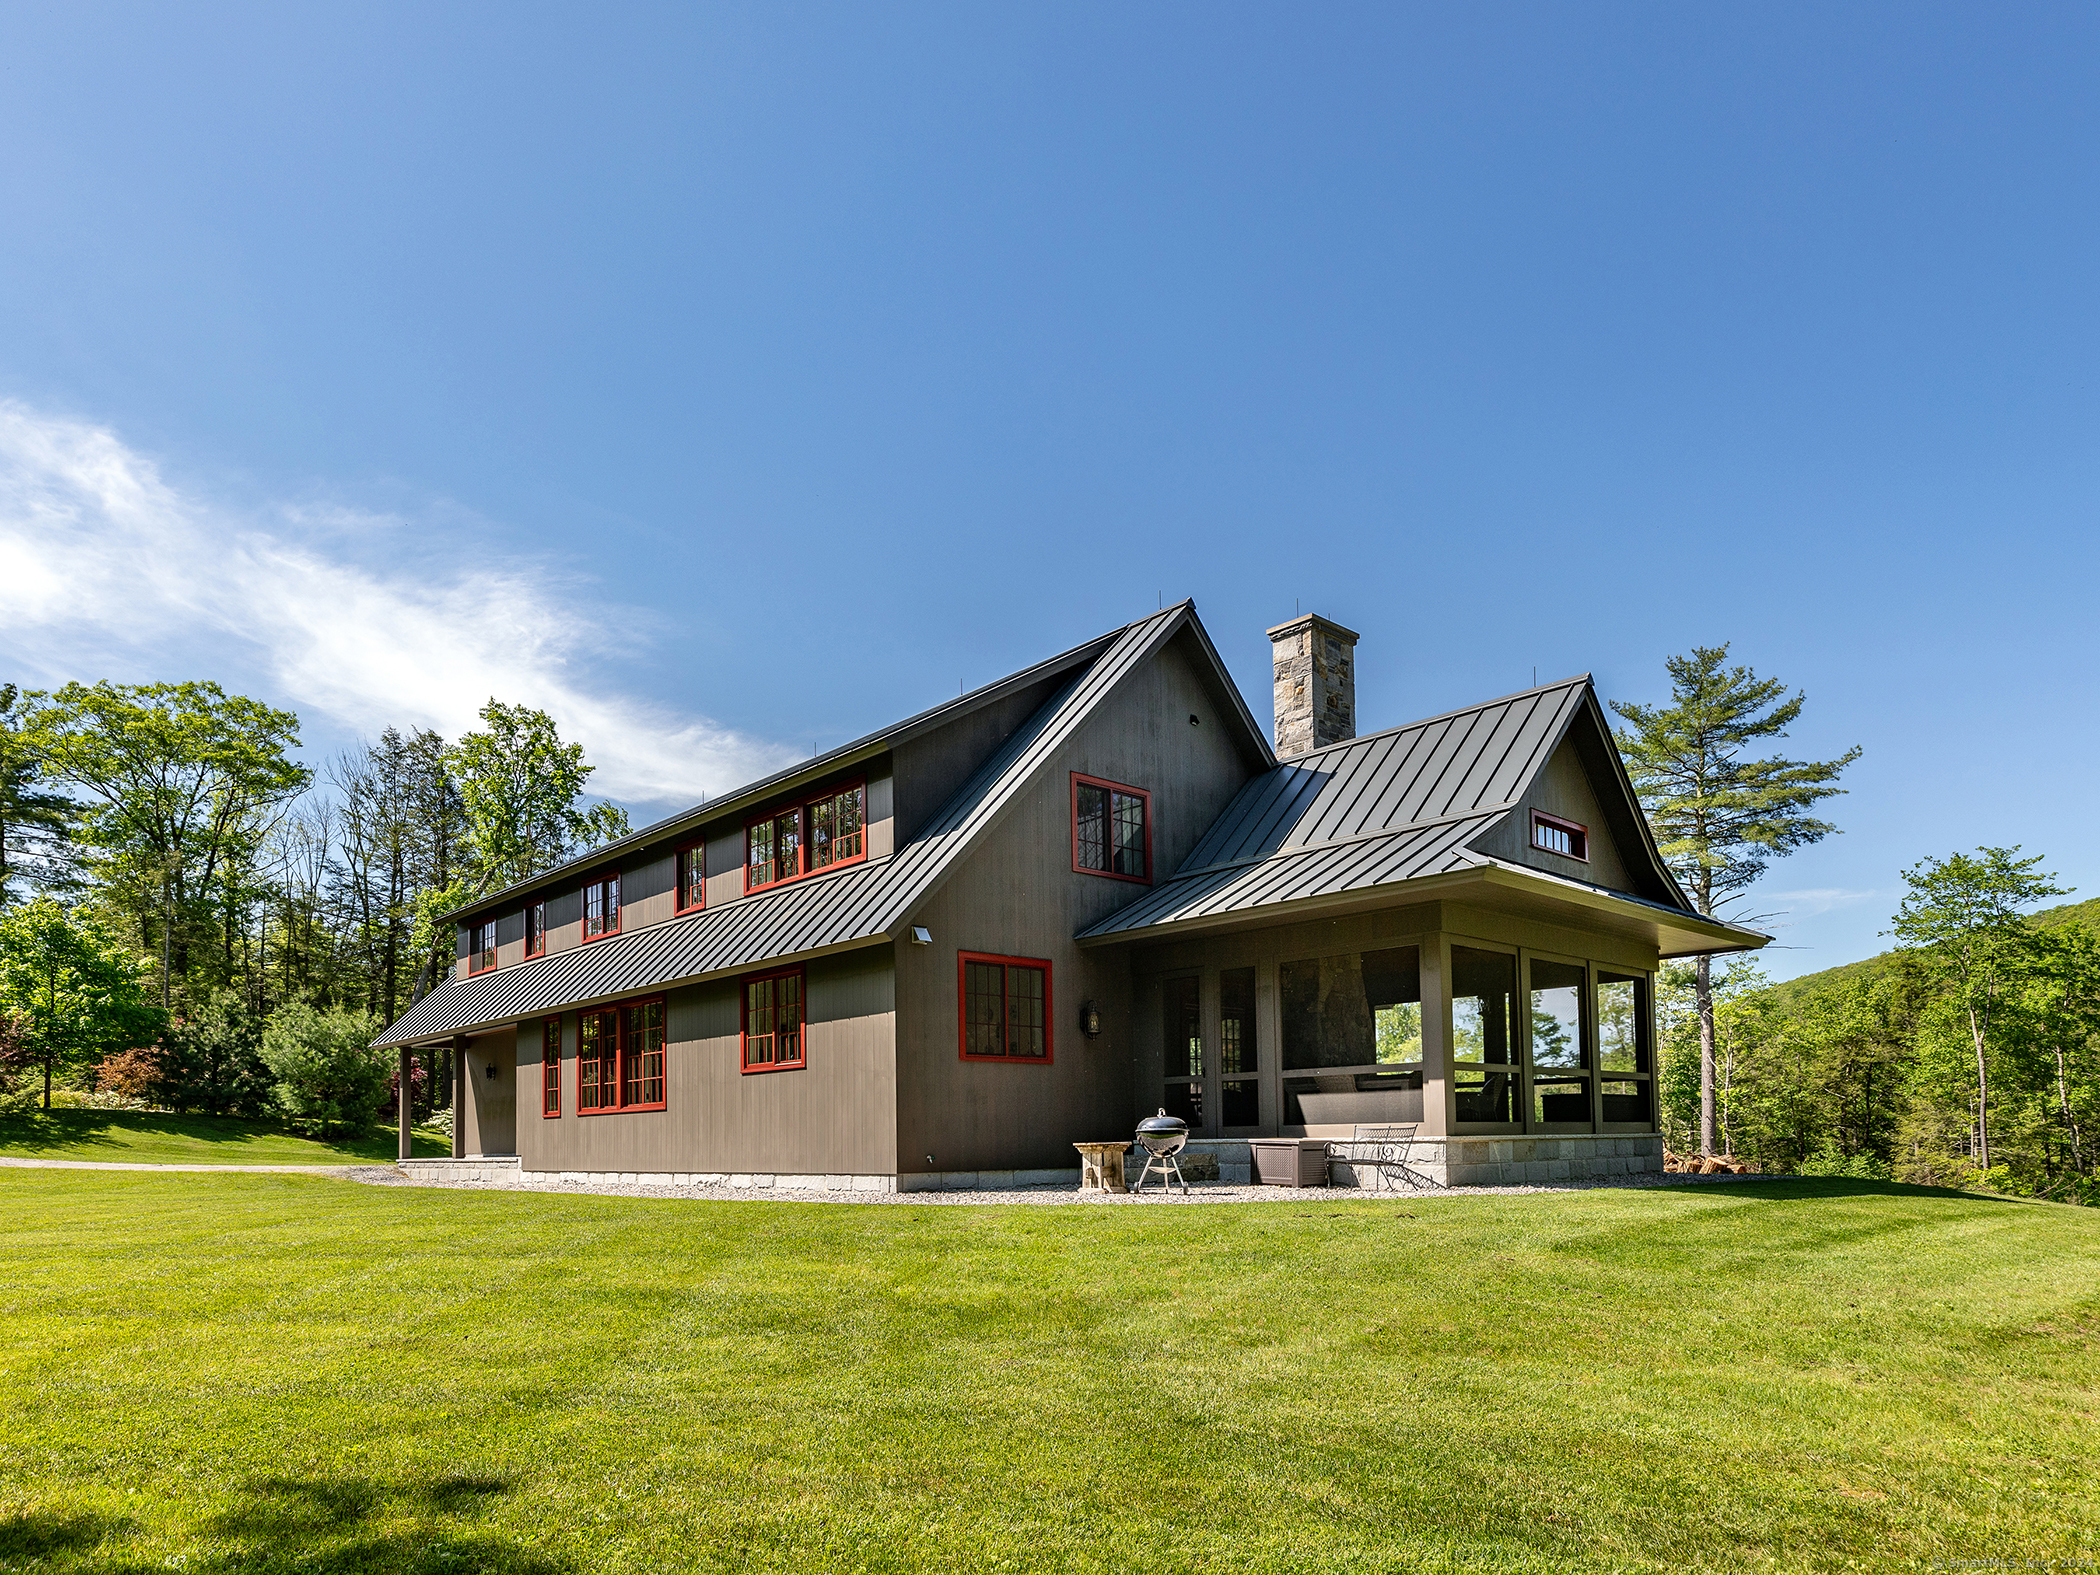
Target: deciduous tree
(76,992)
(1964,918)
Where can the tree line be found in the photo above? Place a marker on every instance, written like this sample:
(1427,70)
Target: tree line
(191,913)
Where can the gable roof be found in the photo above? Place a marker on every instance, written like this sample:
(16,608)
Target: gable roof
(861,905)
(1403,805)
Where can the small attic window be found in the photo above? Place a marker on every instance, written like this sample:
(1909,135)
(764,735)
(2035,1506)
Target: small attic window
(1551,834)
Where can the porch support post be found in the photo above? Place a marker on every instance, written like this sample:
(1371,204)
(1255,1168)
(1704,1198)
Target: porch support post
(405,1112)
(1436,1035)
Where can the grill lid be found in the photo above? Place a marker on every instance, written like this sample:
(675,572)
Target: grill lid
(1162,1123)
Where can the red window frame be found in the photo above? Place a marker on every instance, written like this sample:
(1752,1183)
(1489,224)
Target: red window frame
(536,929)
(626,1068)
(743,998)
(1578,836)
(804,816)
(608,889)
(691,862)
(962,1006)
(1079,780)
(481,957)
(550,1067)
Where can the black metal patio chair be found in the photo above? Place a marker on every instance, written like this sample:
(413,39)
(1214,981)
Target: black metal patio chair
(1388,1149)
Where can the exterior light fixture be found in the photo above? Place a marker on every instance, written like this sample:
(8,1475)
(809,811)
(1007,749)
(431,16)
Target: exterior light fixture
(921,936)
(1090,1020)
(492,1069)
(1195,720)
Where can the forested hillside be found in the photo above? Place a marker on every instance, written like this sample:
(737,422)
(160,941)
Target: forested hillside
(1968,1061)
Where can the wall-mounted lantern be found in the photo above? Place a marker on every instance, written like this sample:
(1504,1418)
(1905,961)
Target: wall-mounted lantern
(1090,1020)
(492,1069)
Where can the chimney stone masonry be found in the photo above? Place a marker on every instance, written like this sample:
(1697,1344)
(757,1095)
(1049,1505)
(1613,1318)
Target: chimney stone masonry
(1315,684)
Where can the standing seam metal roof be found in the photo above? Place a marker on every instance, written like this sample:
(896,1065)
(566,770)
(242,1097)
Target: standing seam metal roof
(862,904)
(1395,806)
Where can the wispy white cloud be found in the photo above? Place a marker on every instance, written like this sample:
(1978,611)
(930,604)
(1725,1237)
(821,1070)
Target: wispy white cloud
(1808,902)
(99,552)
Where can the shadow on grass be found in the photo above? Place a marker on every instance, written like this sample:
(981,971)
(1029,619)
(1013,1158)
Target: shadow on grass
(81,1132)
(319,1526)
(1795,1189)
(45,1534)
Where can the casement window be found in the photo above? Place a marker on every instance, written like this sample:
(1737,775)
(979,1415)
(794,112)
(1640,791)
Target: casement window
(692,878)
(773,1022)
(536,929)
(1551,834)
(601,907)
(620,1058)
(481,947)
(1111,829)
(550,1067)
(1005,1008)
(818,834)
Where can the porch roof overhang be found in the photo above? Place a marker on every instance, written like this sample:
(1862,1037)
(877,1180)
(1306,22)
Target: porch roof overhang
(1484,883)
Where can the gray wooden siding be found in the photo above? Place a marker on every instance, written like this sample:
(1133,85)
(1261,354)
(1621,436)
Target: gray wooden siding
(486,1108)
(1017,894)
(836,1116)
(1563,789)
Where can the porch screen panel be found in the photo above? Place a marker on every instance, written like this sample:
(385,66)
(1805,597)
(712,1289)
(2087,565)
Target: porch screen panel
(1182,1007)
(1355,1009)
(1624,1056)
(642,1064)
(1239,1060)
(1483,1037)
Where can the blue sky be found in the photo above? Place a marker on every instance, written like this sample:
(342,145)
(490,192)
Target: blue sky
(732,380)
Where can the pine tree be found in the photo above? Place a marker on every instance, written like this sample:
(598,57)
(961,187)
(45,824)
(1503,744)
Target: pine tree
(36,825)
(1719,817)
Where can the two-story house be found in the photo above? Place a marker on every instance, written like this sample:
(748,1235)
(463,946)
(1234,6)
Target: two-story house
(942,954)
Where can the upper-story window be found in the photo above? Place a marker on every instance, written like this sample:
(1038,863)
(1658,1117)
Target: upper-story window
(1551,834)
(481,947)
(692,878)
(1111,829)
(818,834)
(535,929)
(601,907)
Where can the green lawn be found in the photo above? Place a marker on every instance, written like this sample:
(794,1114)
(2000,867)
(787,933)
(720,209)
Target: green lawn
(150,1138)
(221,1373)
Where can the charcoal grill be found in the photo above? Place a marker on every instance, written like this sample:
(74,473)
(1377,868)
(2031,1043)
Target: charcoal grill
(1162,1137)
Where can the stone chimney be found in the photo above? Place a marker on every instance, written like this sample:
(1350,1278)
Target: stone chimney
(1315,684)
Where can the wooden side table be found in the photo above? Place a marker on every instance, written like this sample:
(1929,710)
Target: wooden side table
(1101,1166)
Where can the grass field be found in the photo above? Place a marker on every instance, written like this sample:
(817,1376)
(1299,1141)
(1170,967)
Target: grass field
(153,1138)
(221,1373)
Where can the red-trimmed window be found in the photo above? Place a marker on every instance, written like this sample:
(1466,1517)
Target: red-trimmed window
(601,907)
(620,1057)
(692,878)
(642,1055)
(1551,834)
(597,1060)
(773,1022)
(536,929)
(819,834)
(550,1067)
(1005,1007)
(481,947)
(1111,829)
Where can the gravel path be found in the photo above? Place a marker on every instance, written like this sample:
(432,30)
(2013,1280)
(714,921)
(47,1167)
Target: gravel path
(388,1176)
